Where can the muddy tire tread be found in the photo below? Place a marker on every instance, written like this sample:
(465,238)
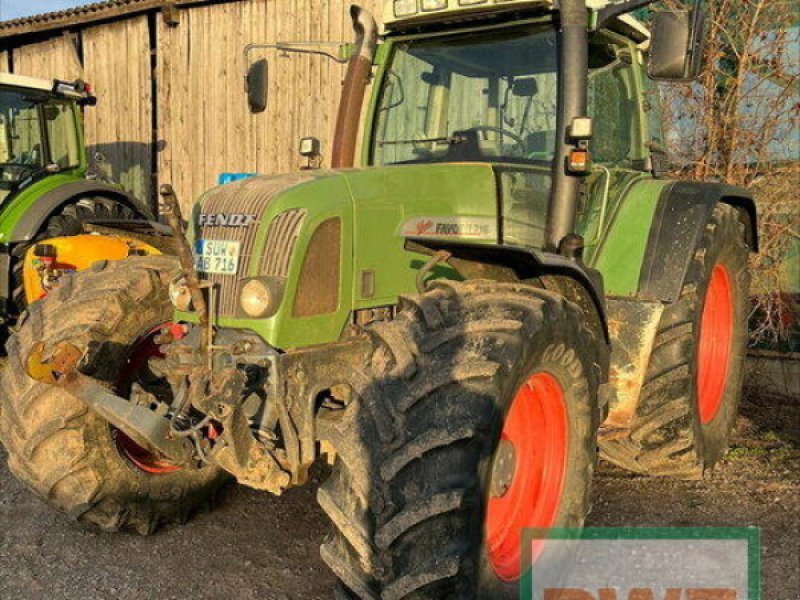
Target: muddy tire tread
(411,543)
(664,439)
(51,437)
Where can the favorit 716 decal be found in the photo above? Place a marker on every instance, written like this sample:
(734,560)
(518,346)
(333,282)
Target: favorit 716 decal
(483,228)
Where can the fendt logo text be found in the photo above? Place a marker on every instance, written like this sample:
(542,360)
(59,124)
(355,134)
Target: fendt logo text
(222,220)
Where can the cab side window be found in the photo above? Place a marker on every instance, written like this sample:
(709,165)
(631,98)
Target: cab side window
(612,105)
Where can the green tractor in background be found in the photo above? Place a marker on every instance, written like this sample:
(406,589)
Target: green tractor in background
(46,186)
(507,282)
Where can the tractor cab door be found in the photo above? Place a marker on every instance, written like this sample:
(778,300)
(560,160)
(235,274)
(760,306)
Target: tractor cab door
(618,146)
(529,107)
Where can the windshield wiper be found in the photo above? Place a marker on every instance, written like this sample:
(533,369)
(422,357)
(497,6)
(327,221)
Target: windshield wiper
(419,141)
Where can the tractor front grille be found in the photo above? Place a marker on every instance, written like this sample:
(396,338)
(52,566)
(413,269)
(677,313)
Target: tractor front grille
(252,197)
(281,240)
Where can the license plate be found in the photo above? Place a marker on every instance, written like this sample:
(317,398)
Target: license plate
(218,257)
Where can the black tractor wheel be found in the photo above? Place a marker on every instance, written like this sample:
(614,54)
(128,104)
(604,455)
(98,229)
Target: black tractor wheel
(66,453)
(477,418)
(68,221)
(690,397)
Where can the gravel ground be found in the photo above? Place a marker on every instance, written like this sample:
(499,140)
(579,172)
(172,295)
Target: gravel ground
(258,546)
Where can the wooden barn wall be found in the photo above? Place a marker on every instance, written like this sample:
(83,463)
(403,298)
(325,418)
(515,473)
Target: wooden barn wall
(57,58)
(117,63)
(202,125)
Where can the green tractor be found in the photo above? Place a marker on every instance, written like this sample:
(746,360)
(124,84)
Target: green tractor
(506,283)
(47,188)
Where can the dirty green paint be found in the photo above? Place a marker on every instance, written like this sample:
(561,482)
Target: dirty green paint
(372,205)
(15,207)
(620,255)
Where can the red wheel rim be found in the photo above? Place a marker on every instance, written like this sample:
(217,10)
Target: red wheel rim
(141,352)
(536,429)
(716,342)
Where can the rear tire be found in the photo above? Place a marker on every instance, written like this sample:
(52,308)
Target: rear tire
(418,470)
(691,393)
(63,451)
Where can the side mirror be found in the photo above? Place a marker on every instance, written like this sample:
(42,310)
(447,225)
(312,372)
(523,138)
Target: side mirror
(258,86)
(676,48)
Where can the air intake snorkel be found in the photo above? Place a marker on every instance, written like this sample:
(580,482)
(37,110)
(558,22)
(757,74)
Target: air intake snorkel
(355,87)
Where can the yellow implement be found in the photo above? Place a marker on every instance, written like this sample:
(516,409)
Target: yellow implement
(50,259)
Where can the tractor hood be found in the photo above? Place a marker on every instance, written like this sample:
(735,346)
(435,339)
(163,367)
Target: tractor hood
(335,239)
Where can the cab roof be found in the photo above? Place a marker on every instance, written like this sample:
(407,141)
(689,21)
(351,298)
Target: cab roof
(400,14)
(34,83)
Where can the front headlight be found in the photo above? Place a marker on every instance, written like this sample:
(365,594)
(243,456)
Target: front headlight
(179,295)
(260,297)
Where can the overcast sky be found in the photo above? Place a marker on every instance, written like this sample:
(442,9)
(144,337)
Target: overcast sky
(12,9)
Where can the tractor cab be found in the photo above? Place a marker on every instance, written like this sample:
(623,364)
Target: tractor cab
(40,130)
(490,94)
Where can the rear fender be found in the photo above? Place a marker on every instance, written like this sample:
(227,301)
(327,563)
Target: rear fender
(683,211)
(49,203)
(632,326)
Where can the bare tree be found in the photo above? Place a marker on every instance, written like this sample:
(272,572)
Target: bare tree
(740,123)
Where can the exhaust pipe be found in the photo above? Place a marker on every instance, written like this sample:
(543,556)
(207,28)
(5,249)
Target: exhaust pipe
(355,86)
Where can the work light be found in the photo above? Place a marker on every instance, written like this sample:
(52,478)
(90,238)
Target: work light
(405,8)
(434,4)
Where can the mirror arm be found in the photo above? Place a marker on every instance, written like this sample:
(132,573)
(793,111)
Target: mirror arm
(292,47)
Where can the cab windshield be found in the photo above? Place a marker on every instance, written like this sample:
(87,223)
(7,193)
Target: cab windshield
(476,97)
(37,131)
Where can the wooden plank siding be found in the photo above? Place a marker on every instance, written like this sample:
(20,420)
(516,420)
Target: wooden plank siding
(121,126)
(198,103)
(55,58)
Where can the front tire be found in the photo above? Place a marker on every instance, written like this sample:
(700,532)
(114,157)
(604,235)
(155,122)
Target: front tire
(693,385)
(64,452)
(422,495)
